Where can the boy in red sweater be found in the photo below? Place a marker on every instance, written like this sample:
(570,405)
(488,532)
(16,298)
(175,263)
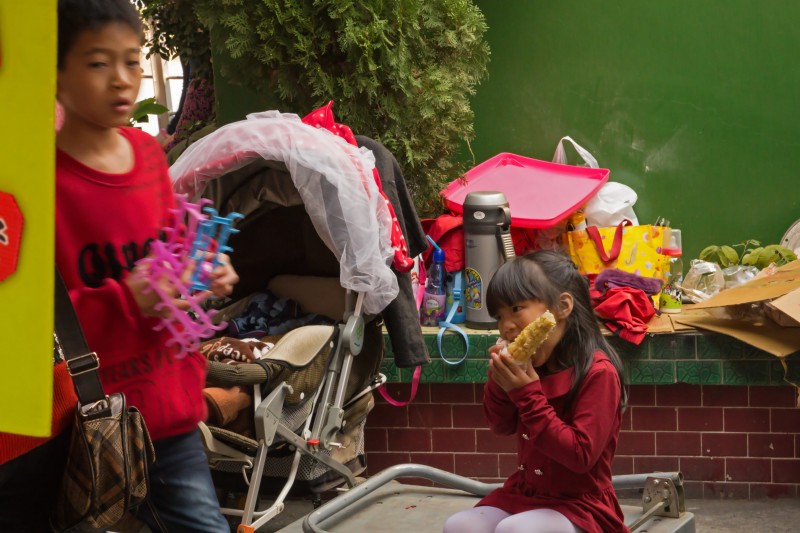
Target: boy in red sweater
(113,196)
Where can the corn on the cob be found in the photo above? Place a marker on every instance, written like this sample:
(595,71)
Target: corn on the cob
(530,338)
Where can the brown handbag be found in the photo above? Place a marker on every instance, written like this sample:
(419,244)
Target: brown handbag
(110,448)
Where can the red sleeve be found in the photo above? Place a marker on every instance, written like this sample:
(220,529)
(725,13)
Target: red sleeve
(579,444)
(501,412)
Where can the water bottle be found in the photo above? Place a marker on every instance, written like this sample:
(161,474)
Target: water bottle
(671,293)
(434,299)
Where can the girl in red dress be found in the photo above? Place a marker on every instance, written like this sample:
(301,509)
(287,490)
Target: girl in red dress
(565,407)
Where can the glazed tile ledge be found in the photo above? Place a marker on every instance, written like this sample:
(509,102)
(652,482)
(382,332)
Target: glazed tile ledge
(698,358)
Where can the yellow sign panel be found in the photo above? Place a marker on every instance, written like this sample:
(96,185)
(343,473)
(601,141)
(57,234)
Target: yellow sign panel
(27,158)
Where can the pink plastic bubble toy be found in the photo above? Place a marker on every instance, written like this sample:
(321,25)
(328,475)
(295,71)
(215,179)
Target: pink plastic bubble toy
(169,259)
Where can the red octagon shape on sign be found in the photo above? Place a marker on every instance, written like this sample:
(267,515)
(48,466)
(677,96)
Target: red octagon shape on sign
(10,234)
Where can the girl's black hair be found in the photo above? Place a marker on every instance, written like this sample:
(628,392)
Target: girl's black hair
(543,275)
(75,16)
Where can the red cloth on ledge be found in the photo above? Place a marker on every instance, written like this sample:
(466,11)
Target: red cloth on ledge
(626,312)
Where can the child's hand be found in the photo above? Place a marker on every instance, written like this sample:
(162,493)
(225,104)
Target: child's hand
(147,298)
(223,278)
(507,373)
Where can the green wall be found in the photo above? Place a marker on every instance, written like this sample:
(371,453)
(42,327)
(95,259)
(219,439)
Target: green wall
(694,104)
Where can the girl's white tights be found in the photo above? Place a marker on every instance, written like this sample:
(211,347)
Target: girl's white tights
(493,520)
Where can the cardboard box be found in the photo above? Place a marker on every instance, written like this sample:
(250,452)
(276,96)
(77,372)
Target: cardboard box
(782,309)
(781,290)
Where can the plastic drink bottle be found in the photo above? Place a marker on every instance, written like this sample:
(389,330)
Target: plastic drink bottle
(671,293)
(434,299)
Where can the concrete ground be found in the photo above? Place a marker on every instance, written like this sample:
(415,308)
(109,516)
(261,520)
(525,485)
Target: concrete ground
(423,514)
(711,516)
(759,516)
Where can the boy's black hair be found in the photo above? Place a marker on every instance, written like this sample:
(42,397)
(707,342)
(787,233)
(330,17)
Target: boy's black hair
(76,16)
(543,275)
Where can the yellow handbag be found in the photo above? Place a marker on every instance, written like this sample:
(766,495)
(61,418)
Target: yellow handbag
(635,249)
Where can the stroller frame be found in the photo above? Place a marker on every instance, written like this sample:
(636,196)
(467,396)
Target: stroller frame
(324,421)
(301,184)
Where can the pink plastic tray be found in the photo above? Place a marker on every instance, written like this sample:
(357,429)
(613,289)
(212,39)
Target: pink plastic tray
(539,193)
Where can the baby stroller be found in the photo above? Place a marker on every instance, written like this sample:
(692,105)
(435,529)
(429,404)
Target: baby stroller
(316,232)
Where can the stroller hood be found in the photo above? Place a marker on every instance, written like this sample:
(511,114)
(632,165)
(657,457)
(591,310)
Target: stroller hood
(332,178)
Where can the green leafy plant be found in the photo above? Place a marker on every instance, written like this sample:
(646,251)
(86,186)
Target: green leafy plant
(146,107)
(401,72)
(750,253)
(176,32)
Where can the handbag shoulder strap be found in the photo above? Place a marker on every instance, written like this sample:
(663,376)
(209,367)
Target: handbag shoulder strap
(616,245)
(82,363)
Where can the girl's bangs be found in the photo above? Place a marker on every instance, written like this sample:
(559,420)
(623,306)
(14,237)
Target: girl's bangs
(521,279)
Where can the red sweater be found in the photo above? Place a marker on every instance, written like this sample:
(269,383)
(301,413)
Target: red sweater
(564,455)
(104,224)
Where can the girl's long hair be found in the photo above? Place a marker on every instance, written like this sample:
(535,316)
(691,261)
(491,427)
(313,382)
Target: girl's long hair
(543,275)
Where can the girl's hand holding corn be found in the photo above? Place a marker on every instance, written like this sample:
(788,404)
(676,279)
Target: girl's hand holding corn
(507,373)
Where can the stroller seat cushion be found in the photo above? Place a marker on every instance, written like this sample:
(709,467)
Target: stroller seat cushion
(315,294)
(298,347)
(298,358)
(295,349)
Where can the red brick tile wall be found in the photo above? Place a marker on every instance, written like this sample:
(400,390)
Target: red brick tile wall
(729,441)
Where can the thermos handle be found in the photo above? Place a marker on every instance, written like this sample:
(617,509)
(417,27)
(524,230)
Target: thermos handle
(504,233)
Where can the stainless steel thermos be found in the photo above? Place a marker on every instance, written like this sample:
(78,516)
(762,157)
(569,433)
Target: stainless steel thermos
(487,245)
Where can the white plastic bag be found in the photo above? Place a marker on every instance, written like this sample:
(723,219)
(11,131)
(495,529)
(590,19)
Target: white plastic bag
(561,155)
(550,238)
(703,280)
(612,204)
